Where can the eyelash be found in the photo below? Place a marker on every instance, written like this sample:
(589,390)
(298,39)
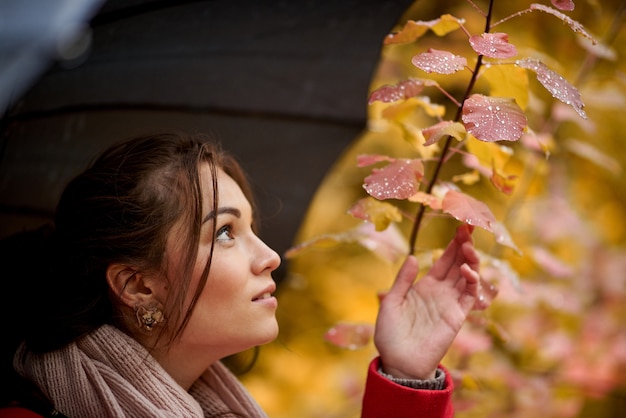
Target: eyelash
(226,229)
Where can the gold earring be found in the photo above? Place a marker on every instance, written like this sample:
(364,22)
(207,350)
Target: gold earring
(147,318)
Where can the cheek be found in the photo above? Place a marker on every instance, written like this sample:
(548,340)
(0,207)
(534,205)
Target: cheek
(225,287)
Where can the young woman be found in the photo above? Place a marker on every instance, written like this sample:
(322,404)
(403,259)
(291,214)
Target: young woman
(153,273)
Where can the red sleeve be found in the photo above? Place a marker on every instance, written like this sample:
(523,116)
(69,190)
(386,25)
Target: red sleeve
(17,412)
(384,398)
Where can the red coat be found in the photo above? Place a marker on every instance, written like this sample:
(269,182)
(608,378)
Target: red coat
(382,399)
(386,399)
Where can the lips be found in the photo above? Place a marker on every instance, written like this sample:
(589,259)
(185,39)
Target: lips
(266,294)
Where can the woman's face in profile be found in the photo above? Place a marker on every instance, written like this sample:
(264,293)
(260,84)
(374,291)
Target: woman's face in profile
(236,310)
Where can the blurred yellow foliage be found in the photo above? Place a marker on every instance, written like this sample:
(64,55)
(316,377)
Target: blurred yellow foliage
(552,344)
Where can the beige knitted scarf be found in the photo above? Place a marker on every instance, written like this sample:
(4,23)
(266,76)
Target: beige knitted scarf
(109,374)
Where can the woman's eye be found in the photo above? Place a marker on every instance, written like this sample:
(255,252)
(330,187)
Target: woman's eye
(224,233)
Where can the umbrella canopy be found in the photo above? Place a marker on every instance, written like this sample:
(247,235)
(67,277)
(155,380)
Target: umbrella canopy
(283,85)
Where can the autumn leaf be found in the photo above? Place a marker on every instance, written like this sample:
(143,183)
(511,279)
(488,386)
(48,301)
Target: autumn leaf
(487,292)
(558,86)
(399,91)
(364,160)
(390,244)
(593,154)
(550,263)
(427,199)
(598,49)
(493,118)
(474,212)
(469,178)
(441,62)
(415,29)
(495,269)
(411,31)
(324,241)
(493,45)
(404,110)
(574,25)
(442,129)
(487,154)
(446,24)
(503,182)
(567,5)
(381,214)
(399,179)
(508,81)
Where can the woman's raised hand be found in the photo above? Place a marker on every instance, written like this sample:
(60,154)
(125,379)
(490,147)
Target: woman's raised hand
(418,320)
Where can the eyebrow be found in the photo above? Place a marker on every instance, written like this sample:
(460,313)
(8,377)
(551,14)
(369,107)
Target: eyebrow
(229,210)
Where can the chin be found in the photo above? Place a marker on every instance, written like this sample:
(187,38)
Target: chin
(269,334)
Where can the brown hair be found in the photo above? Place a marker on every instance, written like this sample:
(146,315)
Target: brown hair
(121,210)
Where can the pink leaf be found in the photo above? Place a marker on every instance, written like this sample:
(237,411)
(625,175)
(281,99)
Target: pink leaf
(493,45)
(567,5)
(493,119)
(400,91)
(550,263)
(559,87)
(364,160)
(574,25)
(398,180)
(441,62)
(503,237)
(390,244)
(474,212)
(487,292)
(467,209)
(499,270)
(350,335)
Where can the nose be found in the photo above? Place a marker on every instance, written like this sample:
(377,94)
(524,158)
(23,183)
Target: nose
(266,259)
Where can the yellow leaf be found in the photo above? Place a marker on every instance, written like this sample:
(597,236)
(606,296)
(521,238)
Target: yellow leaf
(405,109)
(414,136)
(489,153)
(503,182)
(381,214)
(468,178)
(508,81)
(434,133)
(411,31)
(447,23)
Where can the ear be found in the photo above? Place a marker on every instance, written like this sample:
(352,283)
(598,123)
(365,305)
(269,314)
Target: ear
(130,285)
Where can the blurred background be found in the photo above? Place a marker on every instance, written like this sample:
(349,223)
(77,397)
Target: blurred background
(285,86)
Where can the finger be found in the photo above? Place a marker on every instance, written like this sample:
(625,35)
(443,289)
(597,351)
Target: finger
(464,233)
(471,255)
(449,258)
(405,278)
(472,279)
(469,287)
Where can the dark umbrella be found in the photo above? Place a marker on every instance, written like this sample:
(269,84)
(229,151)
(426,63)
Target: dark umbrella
(283,84)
